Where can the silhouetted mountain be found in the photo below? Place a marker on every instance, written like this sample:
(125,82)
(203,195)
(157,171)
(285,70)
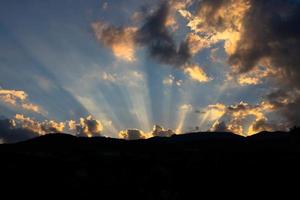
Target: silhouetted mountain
(185,166)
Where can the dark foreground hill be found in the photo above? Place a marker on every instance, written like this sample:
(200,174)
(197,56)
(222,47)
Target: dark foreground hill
(188,166)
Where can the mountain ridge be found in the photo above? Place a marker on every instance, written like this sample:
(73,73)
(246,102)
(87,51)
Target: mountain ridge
(62,165)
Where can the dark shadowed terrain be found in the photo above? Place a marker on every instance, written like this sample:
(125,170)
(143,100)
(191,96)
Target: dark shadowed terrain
(180,167)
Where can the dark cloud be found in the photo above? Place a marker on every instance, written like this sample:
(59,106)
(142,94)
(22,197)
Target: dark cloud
(88,126)
(132,134)
(219,127)
(211,9)
(161,132)
(287,103)
(263,125)
(10,134)
(155,35)
(271,32)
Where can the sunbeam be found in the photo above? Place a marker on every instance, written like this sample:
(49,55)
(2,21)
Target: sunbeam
(134,68)
(204,117)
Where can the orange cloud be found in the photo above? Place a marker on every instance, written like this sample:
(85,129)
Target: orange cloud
(18,99)
(89,126)
(161,132)
(196,73)
(132,134)
(135,134)
(20,121)
(85,127)
(214,23)
(120,40)
(41,128)
(238,115)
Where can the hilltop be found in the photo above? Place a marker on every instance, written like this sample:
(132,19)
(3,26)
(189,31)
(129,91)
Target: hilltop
(177,167)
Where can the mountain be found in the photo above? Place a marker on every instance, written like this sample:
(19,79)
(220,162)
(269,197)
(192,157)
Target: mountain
(187,166)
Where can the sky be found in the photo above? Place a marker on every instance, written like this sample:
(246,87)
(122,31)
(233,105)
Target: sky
(118,68)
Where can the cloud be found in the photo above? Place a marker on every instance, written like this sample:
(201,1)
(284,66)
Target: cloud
(132,134)
(22,128)
(14,94)
(196,43)
(29,127)
(119,39)
(196,73)
(287,102)
(41,128)
(53,126)
(170,80)
(10,133)
(263,125)
(219,127)
(256,76)
(161,132)
(215,21)
(261,39)
(155,35)
(271,35)
(88,127)
(174,6)
(135,134)
(254,33)
(27,123)
(18,99)
(242,118)
(270,32)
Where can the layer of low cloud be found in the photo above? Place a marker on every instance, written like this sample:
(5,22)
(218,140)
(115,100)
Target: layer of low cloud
(28,128)
(10,133)
(132,134)
(135,134)
(89,126)
(159,131)
(242,118)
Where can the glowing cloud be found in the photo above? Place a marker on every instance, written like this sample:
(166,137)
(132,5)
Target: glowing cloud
(89,127)
(85,127)
(41,128)
(120,40)
(132,134)
(161,132)
(258,74)
(196,73)
(18,99)
(20,121)
(170,80)
(238,115)
(216,21)
(10,133)
(135,134)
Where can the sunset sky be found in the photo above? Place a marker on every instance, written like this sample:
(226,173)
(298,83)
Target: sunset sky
(93,67)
